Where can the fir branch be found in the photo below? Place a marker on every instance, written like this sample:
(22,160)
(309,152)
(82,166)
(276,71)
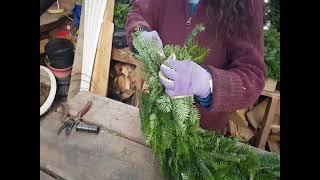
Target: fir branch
(171,127)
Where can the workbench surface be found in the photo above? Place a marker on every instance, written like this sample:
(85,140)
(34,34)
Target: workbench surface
(116,153)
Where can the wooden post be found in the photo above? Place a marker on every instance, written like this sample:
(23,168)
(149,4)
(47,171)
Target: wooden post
(100,75)
(267,121)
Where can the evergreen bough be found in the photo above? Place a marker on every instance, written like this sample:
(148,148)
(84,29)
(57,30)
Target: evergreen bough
(171,126)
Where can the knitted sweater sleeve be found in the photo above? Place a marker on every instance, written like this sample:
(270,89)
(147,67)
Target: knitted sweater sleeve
(144,14)
(239,84)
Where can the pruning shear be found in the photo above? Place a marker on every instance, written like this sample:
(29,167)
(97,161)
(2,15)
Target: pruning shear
(71,121)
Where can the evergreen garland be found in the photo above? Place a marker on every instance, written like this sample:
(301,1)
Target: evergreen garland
(171,126)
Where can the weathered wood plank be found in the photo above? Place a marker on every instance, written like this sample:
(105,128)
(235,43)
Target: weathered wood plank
(90,156)
(110,11)
(275,94)
(100,74)
(124,55)
(270,85)
(115,116)
(110,114)
(44,176)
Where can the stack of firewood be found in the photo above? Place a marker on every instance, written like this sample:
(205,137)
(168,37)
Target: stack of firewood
(245,123)
(122,82)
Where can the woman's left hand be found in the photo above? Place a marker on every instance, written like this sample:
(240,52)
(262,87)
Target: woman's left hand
(184,78)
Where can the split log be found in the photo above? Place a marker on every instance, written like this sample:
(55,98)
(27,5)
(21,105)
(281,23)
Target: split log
(123,83)
(245,133)
(239,118)
(242,113)
(233,129)
(123,78)
(255,116)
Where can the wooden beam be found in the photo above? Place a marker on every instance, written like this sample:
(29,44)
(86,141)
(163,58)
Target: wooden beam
(124,55)
(100,75)
(110,11)
(270,85)
(267,122)
(275,94)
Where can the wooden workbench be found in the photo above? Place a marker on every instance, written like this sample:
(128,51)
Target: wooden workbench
(117,152)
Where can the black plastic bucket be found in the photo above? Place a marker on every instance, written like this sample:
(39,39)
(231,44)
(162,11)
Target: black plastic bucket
(60,53)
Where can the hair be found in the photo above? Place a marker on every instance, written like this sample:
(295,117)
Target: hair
(233,16)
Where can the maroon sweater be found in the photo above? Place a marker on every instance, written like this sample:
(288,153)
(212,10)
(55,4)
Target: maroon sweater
(236,65)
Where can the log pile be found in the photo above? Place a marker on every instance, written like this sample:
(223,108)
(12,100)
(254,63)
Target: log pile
(122,82)
(245,123)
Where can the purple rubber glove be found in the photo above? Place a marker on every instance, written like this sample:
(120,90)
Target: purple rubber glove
(184,78)
(149,36)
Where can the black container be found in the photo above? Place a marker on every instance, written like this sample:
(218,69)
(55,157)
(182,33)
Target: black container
(63,86)
(119,38)
(60,53)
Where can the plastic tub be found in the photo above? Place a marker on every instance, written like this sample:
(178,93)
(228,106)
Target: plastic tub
(47,77)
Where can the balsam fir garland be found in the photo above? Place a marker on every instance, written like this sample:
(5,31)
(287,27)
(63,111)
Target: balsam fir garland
(171,126)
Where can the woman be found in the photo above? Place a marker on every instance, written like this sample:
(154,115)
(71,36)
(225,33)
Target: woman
(233,74)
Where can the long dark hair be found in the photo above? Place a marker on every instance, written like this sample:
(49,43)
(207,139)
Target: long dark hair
(234,17)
